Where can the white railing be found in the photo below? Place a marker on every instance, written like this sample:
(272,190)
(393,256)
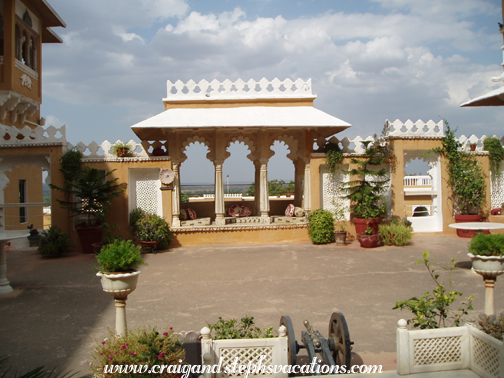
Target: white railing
(417,181)
(230,195)
(228,89)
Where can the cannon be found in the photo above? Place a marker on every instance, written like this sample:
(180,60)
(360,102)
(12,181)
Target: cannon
(335,350)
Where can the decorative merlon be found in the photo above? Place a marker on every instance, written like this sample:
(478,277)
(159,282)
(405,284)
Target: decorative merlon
(11,136)
(418,129)
(239,89)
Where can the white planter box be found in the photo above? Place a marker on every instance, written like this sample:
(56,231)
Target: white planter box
(452,348)
(248,351)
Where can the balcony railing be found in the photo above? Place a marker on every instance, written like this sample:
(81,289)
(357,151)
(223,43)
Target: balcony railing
(417,181)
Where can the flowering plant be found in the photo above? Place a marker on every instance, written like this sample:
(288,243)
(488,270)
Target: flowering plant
(139,348)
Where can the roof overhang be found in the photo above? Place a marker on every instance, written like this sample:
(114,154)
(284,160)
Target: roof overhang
(252,117)
(493,98)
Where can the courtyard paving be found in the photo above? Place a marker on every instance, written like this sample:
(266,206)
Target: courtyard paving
(58,311)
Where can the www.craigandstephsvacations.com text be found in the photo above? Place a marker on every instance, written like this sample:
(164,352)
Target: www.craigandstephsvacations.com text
(314,368)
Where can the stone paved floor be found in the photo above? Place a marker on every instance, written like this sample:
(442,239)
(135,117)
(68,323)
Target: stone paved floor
(58,309)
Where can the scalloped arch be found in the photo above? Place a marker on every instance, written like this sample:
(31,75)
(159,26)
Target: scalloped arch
(291,142)
(247,142)
(193,140)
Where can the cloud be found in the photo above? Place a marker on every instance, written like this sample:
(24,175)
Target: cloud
(414,61)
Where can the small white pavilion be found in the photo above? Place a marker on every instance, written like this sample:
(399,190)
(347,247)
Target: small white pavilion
(257,113)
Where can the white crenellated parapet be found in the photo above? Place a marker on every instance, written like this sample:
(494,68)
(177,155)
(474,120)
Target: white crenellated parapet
(473,139)
(418,129)
(216,90)
(13,136)
(351,146)
(105,150)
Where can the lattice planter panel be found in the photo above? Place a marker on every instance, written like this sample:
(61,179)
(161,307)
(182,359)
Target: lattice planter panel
(264,352)
(487,355)
(452,348)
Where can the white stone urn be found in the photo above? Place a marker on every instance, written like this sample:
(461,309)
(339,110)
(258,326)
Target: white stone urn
(488,266)
(119,285)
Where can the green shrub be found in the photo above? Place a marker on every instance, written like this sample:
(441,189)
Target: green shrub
(54,242)
(321,226)
(496,153)
(119,256)
(395,233)
(150,227)
(140,347)
(231,329)
(487,245)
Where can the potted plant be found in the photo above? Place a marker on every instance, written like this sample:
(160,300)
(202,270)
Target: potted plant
(34,236)
(487,254)
(54,242)
(150,229)
(88,197)
(121,149)
(369,239)
(321,226)
(366,192)
(339,216)
(466,180)
(117,262)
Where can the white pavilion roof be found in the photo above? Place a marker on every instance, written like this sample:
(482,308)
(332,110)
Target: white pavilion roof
(302,117)
(493,98)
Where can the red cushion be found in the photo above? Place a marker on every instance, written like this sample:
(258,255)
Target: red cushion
(191,214)
(289,212)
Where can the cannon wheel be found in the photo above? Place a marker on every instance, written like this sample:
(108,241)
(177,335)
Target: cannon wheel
(339,339)
(292,344)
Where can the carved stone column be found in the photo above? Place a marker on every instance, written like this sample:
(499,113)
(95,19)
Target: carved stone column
(257,187)
(176,195)
(219,195)
(264,192)
(298,182)
(306,197)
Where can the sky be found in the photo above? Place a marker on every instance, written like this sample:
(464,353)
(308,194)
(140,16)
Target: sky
(369,61)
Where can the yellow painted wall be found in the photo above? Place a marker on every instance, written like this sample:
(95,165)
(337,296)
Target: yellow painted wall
(34,215)
(243,236)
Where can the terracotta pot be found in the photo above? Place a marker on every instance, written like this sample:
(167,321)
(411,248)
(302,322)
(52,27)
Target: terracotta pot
(89,236)
(340,237)
(460,218)
(472,147)
(158,151)
(149,246)
(362,224)
(368,241)
(97,247)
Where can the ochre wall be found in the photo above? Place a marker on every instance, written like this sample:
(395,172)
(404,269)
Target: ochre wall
(34,215)
(243,236)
